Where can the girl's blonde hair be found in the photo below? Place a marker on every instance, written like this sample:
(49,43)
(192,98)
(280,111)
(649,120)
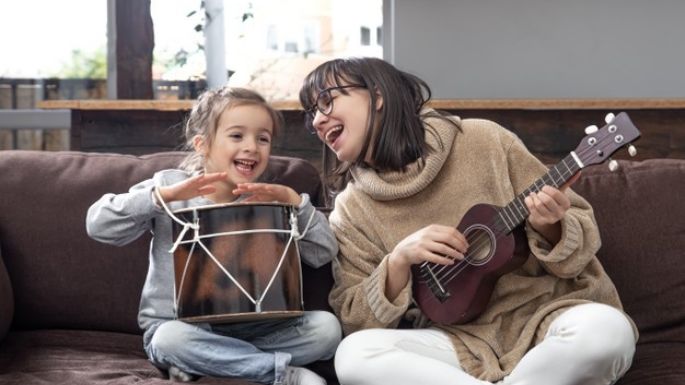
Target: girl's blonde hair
(204,117)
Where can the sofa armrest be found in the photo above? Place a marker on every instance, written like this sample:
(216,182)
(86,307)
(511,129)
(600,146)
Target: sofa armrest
(6,299)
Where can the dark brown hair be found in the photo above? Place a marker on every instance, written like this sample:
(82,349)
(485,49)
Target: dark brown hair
(400,133)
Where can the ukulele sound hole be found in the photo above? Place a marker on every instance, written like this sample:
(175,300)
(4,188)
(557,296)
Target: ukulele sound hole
(481,240)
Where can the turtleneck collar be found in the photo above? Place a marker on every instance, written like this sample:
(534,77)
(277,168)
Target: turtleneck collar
(389,185)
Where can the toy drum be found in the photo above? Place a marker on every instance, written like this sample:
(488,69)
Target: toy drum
(236,262)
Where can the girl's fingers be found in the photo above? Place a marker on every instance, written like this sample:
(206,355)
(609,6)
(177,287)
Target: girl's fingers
(206,190)
(211,178)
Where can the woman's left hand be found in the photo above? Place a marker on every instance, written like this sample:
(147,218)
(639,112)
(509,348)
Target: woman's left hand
(547,207)
(268,192)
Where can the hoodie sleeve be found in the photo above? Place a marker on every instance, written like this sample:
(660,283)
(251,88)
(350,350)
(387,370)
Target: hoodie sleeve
(318,246)
(119,219)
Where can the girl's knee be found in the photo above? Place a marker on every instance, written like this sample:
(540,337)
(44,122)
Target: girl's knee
(325,329)
(170,337)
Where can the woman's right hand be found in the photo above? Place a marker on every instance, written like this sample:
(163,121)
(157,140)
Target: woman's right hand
(191,187)
(434,243)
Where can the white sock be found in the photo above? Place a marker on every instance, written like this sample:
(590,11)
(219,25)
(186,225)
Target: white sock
(295,375)
(177,375)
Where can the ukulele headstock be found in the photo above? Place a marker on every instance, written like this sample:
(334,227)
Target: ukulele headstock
(600,143)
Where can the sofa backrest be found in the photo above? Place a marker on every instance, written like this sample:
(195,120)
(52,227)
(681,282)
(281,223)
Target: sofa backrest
(6,299)
(63,279)
(641,217)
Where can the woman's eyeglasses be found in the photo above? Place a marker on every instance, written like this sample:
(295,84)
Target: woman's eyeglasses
(324,104)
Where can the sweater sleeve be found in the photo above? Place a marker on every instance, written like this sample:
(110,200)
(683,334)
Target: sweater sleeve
(360,271)
(579,233)
(318,246)
(119,219)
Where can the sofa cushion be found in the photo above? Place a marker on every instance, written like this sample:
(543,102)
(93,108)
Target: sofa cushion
(6,299)
(640,214)
(61,277)
(657,364)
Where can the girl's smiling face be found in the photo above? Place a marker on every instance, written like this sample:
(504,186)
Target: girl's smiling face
(241,145)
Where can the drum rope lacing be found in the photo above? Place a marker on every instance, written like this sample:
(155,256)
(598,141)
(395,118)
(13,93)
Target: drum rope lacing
(197,240)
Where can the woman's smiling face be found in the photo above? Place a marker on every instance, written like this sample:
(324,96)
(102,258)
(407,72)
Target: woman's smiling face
(344,128)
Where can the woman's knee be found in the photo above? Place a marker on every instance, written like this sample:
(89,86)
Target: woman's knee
(354,353)
(603,333)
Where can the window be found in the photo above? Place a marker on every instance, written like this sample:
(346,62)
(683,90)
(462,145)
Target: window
(365,36)
(291,46)
(311,38)
(272,37)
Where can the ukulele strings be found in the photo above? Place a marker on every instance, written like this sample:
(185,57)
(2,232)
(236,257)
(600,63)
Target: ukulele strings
(480,242)
(459,267)
(498,231)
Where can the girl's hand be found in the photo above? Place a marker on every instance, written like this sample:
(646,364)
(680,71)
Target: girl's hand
(434,243)
(192,187)
(268,192)
(547,207)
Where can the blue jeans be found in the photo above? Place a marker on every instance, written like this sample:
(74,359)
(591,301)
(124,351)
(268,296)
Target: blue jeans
(256,351)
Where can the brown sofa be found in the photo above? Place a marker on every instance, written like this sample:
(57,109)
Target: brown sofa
(68,304)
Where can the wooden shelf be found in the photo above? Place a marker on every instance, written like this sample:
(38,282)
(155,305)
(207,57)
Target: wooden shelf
(444,104)
(556,104)
(550,128)
(154,105)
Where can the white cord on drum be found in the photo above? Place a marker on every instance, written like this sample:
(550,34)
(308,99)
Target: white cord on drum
(294,227)
(186,225)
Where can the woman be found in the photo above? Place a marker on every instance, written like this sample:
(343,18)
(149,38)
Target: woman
(409,176)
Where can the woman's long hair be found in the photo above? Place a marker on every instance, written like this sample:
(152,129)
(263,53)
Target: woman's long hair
(398,128)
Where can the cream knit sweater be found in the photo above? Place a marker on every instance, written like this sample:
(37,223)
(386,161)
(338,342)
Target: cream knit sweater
(484,163)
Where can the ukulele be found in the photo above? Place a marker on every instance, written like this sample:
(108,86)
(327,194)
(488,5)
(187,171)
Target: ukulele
(458,293)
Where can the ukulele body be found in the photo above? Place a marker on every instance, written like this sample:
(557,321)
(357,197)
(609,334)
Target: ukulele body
(488,258)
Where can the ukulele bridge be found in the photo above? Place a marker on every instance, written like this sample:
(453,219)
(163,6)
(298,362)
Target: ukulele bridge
(434,283)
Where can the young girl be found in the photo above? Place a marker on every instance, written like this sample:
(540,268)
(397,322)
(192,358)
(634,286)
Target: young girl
(231,131)
(411,174)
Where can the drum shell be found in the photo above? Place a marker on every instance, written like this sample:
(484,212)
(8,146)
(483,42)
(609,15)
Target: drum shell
(204,291)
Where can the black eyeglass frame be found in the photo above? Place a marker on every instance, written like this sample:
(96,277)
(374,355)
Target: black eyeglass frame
(311,111)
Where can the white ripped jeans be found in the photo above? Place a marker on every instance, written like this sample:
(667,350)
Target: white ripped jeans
(590,344)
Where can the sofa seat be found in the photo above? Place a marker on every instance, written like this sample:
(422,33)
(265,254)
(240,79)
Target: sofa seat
(657,363)
(79,357)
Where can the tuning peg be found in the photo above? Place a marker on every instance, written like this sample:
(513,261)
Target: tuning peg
(589,130)
(613,165)
(632,150)
(609,117)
